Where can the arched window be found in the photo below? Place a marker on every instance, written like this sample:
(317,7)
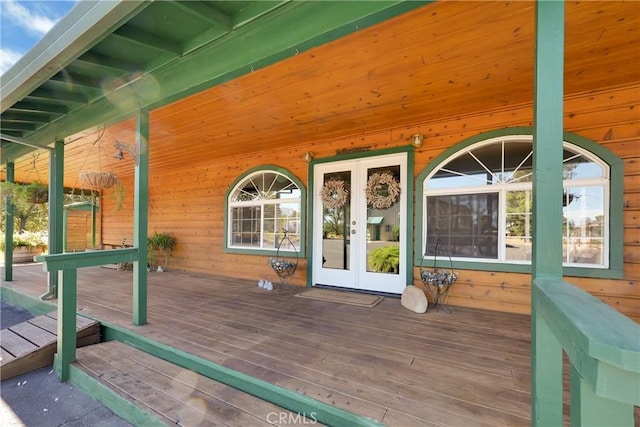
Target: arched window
(260,206)
(477,205)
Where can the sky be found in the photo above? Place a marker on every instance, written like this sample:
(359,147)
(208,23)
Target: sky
(24,23)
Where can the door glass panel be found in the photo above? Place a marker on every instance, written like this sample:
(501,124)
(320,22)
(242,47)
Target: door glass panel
(336,218)
(383,219)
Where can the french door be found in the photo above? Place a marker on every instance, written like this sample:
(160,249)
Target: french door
(359,224)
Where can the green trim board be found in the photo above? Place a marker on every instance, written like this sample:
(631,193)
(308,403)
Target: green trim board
(58,262)
(112,400)
(285,398)
(9,219)
(141,218)
(616,197)
(596,273)
(32,304)
(303,213)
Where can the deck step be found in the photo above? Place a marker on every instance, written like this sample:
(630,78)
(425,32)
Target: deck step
(32,344)
(174,394)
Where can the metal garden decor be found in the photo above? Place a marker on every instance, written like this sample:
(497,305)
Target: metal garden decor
(283,267)
(438,281)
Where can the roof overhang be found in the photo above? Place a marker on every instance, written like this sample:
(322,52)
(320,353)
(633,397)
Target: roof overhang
(106,60)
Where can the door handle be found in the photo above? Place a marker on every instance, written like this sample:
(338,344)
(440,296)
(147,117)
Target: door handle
(353,231)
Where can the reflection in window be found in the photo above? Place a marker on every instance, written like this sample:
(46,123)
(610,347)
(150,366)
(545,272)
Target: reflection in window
(261,206)
(463,225)
(479,202)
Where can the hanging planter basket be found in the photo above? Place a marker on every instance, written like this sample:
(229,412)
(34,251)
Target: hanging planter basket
(98,180)
(38,194)
(438,281)
(283,267)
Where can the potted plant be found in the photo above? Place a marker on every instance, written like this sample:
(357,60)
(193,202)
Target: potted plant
(162,243)
(26,245)
(385,259)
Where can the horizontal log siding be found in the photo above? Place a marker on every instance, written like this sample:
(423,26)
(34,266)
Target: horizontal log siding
(78,229)
(187,200)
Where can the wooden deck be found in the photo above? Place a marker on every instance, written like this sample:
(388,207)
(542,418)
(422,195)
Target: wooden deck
(466,367)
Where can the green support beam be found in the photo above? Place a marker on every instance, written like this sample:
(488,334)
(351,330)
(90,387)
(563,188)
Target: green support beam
(94,220)
(141,218)
(67,309)
(547,140)
(546,352)
(56,211)
(8,235)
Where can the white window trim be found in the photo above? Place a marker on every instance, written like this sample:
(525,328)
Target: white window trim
(603,182)
(258,203)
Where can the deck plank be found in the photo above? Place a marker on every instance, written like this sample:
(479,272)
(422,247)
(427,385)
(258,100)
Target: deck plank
(34,334)
(45,322)
(15,344)
(196,399)
(464,367)
(5,356)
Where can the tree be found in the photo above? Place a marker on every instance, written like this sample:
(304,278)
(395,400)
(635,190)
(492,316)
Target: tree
(28,216)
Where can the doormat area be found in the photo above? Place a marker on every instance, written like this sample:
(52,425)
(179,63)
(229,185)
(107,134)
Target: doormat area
(342,297)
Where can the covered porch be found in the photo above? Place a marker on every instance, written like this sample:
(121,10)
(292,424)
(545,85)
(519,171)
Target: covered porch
(459,367)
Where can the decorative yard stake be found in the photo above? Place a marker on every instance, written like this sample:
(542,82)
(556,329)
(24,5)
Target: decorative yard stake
(283,267)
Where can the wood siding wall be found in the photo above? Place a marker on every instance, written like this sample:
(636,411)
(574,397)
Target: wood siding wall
(79,231)
(187,200)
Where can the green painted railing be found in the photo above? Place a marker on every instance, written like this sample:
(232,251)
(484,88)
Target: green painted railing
(67,265)
(603,347)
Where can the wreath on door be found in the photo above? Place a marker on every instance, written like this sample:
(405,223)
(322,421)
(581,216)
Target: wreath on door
(382,190)
(334,194)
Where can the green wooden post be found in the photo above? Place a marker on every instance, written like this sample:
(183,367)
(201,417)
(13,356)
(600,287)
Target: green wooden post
(67,306)
(587,409)
(8,236)
(56,208)
(65,231)
(547,140)
(546,364)
(66,265)
(93,220)
(141,220)
(546,360)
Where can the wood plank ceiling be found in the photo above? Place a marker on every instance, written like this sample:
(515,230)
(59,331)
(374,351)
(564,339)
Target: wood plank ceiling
(441,61)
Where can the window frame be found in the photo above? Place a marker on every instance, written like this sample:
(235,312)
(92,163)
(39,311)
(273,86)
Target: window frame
(614,252)
(228,207)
